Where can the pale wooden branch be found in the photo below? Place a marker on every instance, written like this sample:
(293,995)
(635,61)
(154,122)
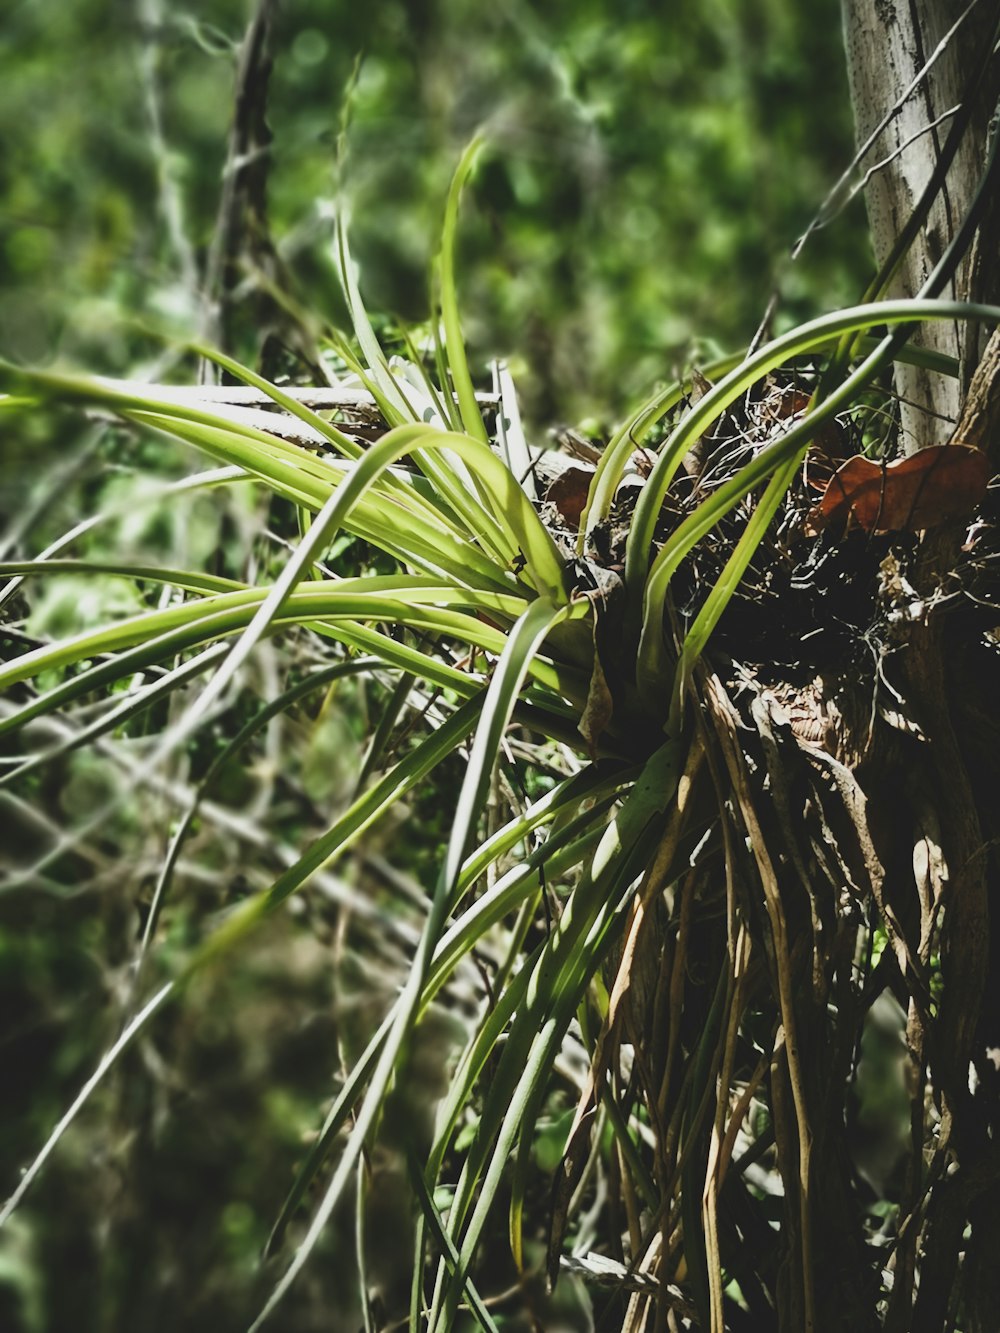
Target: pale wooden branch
(249,407)
(325,399)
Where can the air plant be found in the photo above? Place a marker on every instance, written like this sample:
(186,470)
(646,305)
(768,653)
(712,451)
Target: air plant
(625,920)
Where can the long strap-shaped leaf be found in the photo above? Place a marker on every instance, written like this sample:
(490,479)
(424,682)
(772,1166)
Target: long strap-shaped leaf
(558,853)
(361,815)
(526,538)
(189,580)
(126,707)
(454,342)
(273,708)
(397,518)
(550,992)
(387,519)
(154,495)
(435,506)
(630,435)
(191,631)
(392,401)
(331,517)
(433,1220)
(453,482)
(735,567)
(651,668)
(220,614)
(524,640)
(799,341)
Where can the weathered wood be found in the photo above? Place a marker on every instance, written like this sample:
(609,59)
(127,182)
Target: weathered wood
(889,43)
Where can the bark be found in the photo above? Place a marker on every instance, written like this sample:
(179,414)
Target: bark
(944,800)
(889,42)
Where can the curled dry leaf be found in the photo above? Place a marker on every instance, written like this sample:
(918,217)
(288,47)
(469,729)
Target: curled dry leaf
(926,488)
(568,492)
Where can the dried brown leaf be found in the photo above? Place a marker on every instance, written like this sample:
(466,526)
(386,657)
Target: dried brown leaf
(921,491)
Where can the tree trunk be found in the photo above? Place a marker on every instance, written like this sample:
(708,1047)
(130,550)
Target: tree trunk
(947,667)
(889,43)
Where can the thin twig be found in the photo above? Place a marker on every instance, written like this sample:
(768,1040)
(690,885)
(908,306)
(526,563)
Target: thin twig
(243,177)
(824,213)
(171,200)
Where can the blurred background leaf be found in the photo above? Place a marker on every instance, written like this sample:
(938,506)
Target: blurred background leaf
(649,172)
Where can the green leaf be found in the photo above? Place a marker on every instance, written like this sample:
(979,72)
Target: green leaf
(508,678)
(454,342)
(652,671)
(539,1005)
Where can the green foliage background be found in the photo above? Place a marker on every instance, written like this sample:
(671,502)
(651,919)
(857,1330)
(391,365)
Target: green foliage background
(650,167)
